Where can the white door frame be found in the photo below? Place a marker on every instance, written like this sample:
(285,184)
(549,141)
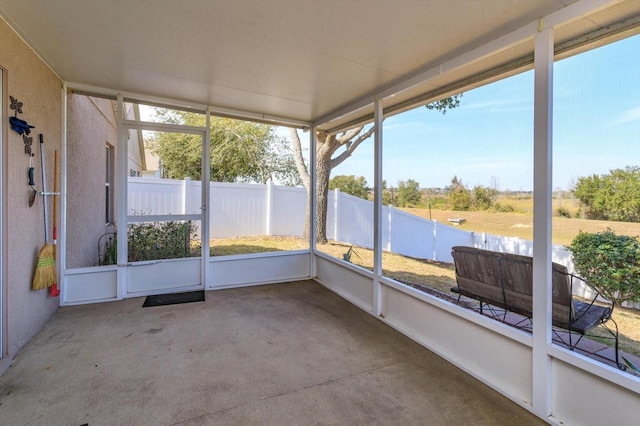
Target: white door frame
(3,217)
(122,211)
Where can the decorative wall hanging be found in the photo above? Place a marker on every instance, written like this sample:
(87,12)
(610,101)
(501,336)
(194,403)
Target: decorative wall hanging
(20,126)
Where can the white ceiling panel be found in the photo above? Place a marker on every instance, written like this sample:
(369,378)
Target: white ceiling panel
(295,59)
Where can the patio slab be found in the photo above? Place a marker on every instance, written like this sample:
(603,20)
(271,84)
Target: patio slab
(279,354)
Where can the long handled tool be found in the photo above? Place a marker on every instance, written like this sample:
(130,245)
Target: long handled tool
(32,184)
(55,291)
(45,274)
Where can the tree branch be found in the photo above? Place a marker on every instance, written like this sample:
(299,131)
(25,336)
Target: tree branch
(348,135)
(351,146)
(299,159)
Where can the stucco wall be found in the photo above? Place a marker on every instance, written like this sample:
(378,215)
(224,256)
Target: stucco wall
(33,83)
(90,127)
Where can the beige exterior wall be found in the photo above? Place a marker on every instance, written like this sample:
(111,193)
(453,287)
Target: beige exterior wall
(91,125)
(33,83)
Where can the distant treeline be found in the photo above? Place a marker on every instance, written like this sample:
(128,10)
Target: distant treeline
(613,196)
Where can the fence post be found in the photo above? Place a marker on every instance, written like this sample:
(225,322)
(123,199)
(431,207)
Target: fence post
(186,198)
(435,240)
(390,235)
(336,214)
(269,189)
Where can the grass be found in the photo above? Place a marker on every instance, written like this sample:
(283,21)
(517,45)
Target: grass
(521,224)
(260,244)
(416,272)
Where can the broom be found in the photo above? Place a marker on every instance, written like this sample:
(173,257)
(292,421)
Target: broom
(45,274)
(55,291)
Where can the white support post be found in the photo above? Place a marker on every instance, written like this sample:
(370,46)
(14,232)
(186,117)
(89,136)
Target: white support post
(377,209)
(542,182)
(62,233)
(121,179)
(205,224)
(313,142)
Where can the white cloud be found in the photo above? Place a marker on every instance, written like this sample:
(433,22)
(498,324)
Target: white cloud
(501,105)
(629,116)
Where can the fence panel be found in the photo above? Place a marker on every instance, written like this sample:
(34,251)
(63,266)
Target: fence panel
(446,237)
(192,196)
(238,210)
(387,211)
(504,245)
(288,207)
(355,220)
(154,196)
(411,235)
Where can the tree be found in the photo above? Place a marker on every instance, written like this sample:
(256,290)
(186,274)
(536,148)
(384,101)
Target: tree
(331,150)
(240,151)
(456,183)
(613,196)
(389,197)
(459,195)
(483,197)
(409,193)
(356,186)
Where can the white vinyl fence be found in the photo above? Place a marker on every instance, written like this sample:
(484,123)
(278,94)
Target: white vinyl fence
(239,210)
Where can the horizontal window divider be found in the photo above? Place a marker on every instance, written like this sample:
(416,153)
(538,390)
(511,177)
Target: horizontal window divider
(162,217)
(163,127)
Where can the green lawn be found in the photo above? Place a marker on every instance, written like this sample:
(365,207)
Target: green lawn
(521,224)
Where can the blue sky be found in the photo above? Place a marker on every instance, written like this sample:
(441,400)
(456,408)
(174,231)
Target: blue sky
(488,140)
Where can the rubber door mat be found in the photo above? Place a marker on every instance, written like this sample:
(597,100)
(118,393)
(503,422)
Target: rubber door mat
(174,298)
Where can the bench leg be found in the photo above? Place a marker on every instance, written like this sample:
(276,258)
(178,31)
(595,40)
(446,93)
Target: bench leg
(620,365)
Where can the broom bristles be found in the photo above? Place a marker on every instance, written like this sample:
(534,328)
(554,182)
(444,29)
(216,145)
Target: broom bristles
(45,274)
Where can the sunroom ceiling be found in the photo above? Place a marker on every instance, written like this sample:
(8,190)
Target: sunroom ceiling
(298,60)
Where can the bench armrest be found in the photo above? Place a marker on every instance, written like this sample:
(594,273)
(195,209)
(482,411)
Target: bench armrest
(597,299)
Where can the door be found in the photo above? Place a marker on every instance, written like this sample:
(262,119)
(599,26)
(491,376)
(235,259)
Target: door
(2,219)
(165,214)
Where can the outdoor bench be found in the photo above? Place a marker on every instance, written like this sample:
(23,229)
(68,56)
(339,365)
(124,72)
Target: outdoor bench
(505,280)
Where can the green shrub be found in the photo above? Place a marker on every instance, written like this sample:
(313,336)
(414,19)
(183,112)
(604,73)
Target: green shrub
(503,208)
(107,249)
(160,240)
(609,262)
(563,212)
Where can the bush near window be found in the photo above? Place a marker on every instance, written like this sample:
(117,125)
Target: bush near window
(609,262)
(151,241)
(160,240)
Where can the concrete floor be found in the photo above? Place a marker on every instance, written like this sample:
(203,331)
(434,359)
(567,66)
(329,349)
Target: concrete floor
(271,355)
